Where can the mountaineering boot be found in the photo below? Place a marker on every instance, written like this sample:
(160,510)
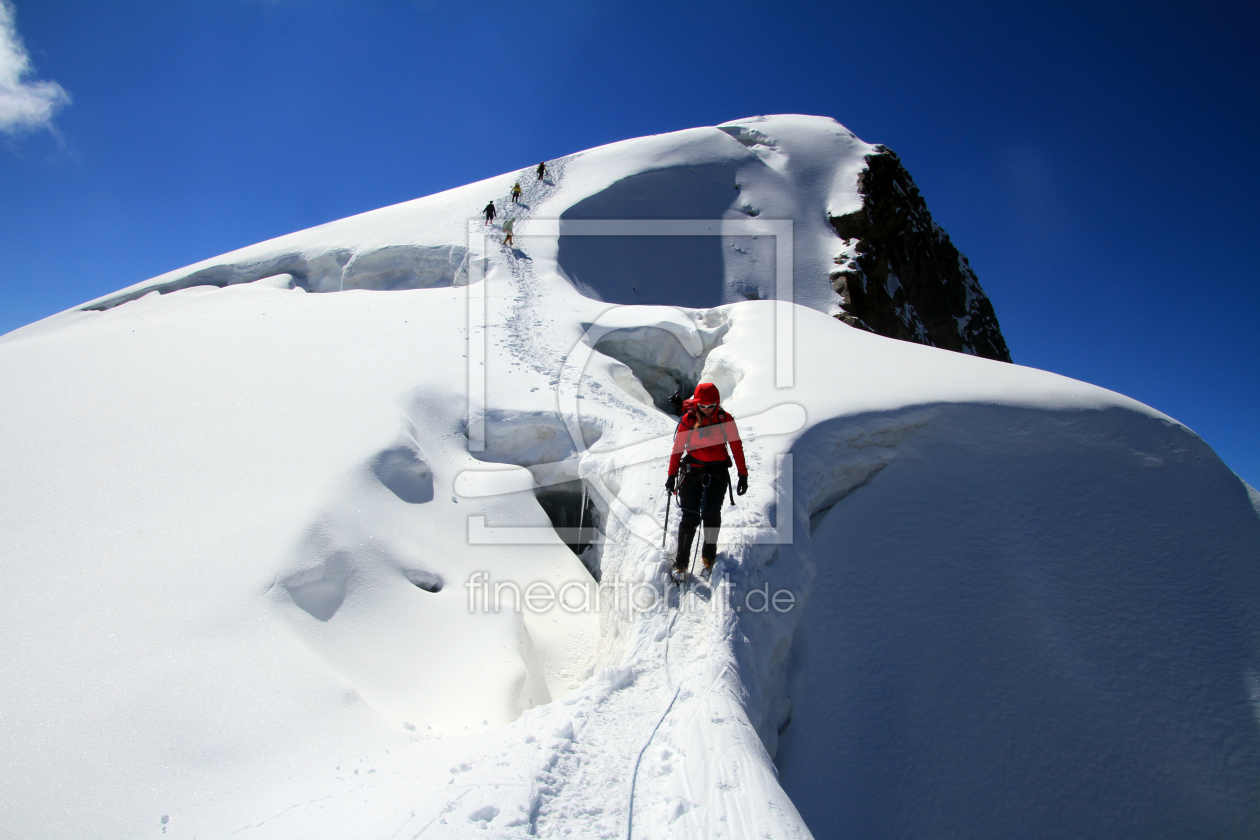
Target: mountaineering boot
(686,534)
(709,552)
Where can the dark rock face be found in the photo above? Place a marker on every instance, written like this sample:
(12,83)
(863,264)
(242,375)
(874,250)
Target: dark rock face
(901,277)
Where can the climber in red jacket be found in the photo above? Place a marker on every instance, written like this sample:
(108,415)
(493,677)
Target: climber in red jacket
(700,445)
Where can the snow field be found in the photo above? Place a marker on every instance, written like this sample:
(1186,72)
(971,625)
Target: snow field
(242,525)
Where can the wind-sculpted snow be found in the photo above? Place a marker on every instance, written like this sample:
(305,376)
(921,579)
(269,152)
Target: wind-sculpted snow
(1061,640)
(390,268)
(680,270)
(274,568)
(405,473)
(808,169)
(320,590)
(658,362)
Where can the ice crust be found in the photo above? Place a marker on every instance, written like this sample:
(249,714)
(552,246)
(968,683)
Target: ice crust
(240,523)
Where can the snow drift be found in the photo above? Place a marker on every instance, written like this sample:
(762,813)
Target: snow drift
(273,569)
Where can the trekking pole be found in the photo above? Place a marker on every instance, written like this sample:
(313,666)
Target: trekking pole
(581,518)
(669,497)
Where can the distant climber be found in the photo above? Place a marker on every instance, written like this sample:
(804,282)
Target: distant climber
(507,228)
(676,401)
(489,211)
(516,192)
(699,454)
(542,169)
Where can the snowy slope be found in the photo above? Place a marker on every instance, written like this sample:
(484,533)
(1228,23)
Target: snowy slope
(252,535)
(804,173)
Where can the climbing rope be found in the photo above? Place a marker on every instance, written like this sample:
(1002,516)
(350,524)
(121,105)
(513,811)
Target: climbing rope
(634,774)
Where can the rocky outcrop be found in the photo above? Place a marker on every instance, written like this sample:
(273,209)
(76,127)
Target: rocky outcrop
(899,274)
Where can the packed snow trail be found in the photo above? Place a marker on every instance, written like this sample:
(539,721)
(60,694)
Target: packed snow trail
(526,322)
(638,759)
(649,732)
(670,650)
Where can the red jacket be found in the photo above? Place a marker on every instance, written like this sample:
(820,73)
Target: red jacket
(706,439)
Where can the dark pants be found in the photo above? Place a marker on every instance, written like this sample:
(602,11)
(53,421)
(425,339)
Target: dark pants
(700,497)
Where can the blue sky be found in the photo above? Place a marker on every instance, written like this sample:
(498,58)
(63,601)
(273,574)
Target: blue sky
(1097,162)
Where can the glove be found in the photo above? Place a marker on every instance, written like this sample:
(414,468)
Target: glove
(671,482)
(742,487)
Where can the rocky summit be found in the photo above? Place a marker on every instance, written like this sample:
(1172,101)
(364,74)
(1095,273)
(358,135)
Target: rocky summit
(901,276)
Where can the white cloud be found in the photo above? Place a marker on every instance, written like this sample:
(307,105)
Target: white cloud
(24,105)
